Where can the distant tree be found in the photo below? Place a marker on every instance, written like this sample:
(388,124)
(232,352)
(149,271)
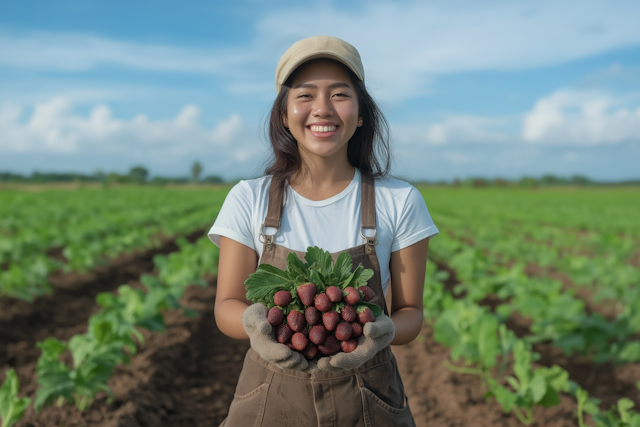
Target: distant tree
(552,180)
(196,169)
(213,179)
(138,174)
(580,180)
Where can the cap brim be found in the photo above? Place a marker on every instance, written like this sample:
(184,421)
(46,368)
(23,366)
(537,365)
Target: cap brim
(317,55)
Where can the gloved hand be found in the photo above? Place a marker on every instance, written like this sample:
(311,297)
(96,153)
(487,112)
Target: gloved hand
(375,336)
(262,337)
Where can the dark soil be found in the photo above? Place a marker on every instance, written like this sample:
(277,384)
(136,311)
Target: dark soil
(65,311)
(187,376)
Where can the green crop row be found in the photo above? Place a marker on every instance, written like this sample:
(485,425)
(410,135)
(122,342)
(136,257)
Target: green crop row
(113,333)
(484,345)
(557,316)
(94,239)
(600,211)
(611,277)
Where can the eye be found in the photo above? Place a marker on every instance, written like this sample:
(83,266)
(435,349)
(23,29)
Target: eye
(303,95)
(341,94)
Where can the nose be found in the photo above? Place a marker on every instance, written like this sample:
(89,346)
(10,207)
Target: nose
(322,106)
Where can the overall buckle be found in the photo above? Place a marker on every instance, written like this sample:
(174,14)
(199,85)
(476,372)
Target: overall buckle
(373,242)
(267,238)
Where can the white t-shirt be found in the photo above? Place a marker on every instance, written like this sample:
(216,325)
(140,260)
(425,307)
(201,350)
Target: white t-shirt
(402,219)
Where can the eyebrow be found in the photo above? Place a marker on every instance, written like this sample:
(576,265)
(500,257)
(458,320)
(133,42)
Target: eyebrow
(331,86)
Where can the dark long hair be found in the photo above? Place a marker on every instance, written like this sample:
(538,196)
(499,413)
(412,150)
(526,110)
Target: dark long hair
(368,149)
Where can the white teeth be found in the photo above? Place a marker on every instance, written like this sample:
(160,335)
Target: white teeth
(323,128)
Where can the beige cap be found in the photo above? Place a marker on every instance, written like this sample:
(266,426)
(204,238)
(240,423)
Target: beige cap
(318,47)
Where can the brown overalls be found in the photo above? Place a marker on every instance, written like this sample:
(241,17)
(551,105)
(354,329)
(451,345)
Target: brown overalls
(371,395)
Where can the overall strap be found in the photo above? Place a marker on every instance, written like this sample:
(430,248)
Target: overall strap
(368,209)
(274,213)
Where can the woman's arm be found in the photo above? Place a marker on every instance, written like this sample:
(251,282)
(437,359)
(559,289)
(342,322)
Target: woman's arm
(408,267)
(236,263)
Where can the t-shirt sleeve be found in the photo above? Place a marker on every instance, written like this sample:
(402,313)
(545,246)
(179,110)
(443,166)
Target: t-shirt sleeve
(234,218)
(414,223)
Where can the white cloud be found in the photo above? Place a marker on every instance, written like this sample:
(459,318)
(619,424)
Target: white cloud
(456,128)
(566,117)
(227,130)
(55,127)
(402,45)
(81,52)
(582,118)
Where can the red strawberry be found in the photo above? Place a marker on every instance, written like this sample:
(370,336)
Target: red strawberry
(368,292)
(275,316)
(349,345)
(283,333)
(330,346)
(312,315)
(318,334)
(352,296)
(307,293)
(299,341)
(343,331)
(282,298)
(330,320)
(305,331)
(357,329)
(310,352)
(365,316)
(334,293)
(323,303)
(348,313)
(295,320)
(290,345)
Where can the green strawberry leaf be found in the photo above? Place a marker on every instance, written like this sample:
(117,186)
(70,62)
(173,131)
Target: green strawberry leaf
(266,280)
(342,267)
(296,266)
(317,280)
(319,257)
(351,279)
(364,278)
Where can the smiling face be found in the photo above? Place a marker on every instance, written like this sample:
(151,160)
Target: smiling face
(322,109)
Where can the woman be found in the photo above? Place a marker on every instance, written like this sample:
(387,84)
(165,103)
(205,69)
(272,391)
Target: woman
(325,188)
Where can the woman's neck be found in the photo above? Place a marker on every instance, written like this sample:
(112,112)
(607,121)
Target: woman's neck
(322,183)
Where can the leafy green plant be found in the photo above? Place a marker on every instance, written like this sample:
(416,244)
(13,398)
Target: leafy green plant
(113,333)
(318,269)
(12,407)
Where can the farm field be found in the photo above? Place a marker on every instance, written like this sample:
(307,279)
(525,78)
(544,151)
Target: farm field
(532,311)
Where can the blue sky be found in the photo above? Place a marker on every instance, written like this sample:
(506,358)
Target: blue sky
(491,88)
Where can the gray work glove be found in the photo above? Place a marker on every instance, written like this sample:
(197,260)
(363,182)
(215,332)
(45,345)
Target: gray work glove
(262,337)
(375,336)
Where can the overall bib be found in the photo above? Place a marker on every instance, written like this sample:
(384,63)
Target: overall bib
(371,395)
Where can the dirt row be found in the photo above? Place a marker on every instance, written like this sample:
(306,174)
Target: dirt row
(187,375)
(607,382)
(65,311)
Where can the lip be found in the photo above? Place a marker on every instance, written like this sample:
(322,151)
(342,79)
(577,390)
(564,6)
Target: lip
(323,134)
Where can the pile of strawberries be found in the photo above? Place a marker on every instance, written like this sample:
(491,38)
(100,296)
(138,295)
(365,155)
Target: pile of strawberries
(329,323)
